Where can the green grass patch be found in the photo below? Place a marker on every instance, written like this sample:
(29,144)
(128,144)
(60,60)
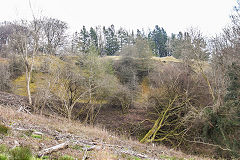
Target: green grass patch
(3,157)
(21,153)
(36,136)
(66,157)
(3,148)
(45,157)
(77,147)
(17,153)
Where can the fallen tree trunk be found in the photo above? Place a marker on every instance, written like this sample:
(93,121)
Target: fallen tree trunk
(53,149)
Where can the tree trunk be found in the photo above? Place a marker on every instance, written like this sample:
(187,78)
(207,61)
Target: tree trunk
(28,79)
(69,112)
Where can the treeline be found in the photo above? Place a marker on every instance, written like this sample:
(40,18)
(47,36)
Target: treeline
(53,37)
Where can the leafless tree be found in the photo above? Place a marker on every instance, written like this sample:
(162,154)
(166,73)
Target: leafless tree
(55,34)
(4,77)
(5,32)
(25,42)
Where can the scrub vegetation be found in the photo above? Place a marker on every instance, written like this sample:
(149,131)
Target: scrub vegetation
(181,91)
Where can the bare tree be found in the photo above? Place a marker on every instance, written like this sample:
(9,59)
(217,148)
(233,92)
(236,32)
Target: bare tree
(55,34)
(25,42)
(4,77)
(134,65)
(89,83)
(5,32)
(98,83)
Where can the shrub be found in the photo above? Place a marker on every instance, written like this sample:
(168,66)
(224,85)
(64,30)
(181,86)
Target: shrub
(3,149)
(177,94)
(222,127)
(4,129)
(21,153)
(16,67)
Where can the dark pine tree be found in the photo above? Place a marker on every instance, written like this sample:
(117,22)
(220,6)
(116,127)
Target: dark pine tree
(112,44)
(93,38)
(84,40)
(158,39)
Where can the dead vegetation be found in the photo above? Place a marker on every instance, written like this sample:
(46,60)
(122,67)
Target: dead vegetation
(81,139)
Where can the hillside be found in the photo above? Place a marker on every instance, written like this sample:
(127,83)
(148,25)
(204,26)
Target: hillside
(132,124)
(117,92)
(82,141)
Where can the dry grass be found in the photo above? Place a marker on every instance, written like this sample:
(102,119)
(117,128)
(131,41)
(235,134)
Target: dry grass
(53,122)
(166,59)
(104,155)
(115,58)
(3,60)
(87,132)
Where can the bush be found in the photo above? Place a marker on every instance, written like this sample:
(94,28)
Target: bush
(222,126)
(176,98)
(222,129)
(4,129)
(16,67)
(121,98)
(3,149)
(21,153)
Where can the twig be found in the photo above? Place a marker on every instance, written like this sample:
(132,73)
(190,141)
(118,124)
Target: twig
(209,144)
(84,155)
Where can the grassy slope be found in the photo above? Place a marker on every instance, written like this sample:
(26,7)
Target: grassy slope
(57,130)
(19,84)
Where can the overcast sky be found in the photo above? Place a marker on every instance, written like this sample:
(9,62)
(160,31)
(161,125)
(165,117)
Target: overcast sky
(173,15)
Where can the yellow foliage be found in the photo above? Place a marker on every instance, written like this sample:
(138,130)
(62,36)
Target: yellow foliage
(145,88)
(20,86)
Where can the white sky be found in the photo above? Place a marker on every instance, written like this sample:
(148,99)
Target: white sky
(210,16)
